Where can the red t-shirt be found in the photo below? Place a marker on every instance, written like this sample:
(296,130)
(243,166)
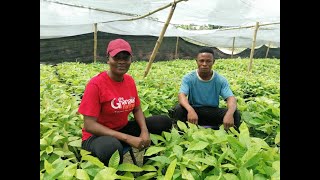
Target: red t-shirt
(109,101)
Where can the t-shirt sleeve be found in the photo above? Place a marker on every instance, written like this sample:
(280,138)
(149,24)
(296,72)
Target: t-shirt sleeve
(225,90)
(90,103)
(184,88)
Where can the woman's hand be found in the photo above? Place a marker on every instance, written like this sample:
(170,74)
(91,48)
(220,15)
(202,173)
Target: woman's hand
(136,142)
(145,138)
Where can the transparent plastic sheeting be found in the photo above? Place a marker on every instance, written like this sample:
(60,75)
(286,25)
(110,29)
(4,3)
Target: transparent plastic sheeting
(60,20)
(217,12)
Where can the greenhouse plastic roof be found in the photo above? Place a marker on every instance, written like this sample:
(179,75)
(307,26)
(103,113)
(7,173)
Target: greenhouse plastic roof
(62,18)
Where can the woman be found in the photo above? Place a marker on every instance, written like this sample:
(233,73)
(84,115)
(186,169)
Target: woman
(108,100)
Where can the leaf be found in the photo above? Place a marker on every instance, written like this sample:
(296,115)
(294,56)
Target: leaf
(126,176)
(259,177)
(192,126)
(107,173)
(182,126)
(147,176)
(277,138)
(145,107)
(167,135)
(276,165)
(59,152)
(260,143)
(223,155)
(209,160)
(43,142)
(186,174)
(197,146)
(244,136)
(178,150)
(229,166)
(252,161)
(235,144)
(65,147)
(154,150)
(93,160)
(230,176)
(148,168)
(84,152)
(56,138)
(129,167)
(245,174)
(161,159)
(69,171)
(82,174)
(73,138)
(49,149)
(252,155)
(48,167)
(58,170)
(156,137)
(170,170)
(114,160)
(164,110)
(76,143)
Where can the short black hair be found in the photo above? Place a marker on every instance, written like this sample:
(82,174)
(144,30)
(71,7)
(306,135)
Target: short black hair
(206,50)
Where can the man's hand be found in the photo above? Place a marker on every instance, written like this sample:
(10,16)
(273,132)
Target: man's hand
(228,121)
(192,117)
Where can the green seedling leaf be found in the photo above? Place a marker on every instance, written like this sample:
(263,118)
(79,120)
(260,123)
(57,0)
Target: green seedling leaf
(182,126)
(147,176)
(82,174)
(93,160)
(48,167)
(245,174)
(69,171)
(170,170)
(186,174)
(148,168)
(76,143)
(114,160)
(161,159)
(49,149)
(129,167)
(107,173)
(154,150)
(197,146)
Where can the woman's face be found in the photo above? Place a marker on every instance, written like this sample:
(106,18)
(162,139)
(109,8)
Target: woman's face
(120,63)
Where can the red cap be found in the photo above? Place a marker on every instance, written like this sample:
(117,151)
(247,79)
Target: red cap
(118,45)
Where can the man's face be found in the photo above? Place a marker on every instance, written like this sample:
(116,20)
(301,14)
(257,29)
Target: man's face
(120,63)
(205,62)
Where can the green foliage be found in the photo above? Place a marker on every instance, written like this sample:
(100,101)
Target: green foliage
(219,154)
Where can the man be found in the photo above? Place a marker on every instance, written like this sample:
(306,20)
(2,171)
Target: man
(199,96)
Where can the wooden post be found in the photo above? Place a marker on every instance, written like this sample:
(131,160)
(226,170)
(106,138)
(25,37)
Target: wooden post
(158,43)
(176,53)
(253,46)
(268,50)
(232,47)
(95,43)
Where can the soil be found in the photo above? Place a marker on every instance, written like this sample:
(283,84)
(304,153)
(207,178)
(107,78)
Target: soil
(138,154)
